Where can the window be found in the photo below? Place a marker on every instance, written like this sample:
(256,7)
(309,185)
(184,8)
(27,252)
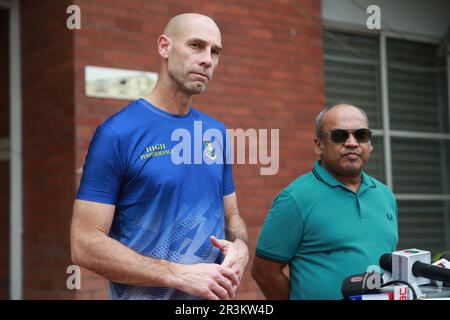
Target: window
(402,85)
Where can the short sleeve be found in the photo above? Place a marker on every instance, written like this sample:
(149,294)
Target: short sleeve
(102,170)
(282,231)
(227,179)
(394,202)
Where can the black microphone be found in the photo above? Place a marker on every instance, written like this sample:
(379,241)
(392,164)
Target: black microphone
(444,264)
(429,271)
(386,262)
(359,284)
(419,269)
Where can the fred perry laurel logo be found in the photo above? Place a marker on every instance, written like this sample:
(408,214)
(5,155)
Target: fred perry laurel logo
(209,150)
(389,216)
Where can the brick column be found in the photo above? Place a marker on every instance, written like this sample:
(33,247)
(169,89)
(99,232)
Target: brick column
(48,147)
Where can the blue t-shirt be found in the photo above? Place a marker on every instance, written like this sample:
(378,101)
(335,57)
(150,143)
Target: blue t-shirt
(158,170)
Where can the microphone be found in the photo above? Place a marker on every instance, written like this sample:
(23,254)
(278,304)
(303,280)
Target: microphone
(372,286)
(443,262)
(413,266)
(386,262)
(429,271)
(360,284)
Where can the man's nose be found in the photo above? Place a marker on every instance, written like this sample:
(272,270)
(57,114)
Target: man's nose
(206,59)
(351,142)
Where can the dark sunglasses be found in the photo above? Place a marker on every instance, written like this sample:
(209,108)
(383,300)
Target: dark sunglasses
(362,135)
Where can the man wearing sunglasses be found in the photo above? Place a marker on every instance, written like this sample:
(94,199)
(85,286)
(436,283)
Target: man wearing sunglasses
(330,223)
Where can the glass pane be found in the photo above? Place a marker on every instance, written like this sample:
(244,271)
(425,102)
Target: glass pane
(375,165)
(422,225)
(416,84)
(420,166)
(352,72)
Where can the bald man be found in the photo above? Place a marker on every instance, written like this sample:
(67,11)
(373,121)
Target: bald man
(330,223)
(157,228)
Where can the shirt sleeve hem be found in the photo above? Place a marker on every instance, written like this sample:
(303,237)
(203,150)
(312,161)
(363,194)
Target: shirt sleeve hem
(228,191)
(95,198)
(266,256)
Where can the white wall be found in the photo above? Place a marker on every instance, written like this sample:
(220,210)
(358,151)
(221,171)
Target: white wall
(430,18)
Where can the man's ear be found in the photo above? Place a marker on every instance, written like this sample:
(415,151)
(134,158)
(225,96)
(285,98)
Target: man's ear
(164,44)
(317,146)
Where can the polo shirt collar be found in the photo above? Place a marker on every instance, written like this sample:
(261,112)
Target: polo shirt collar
(367,181)
(323,175)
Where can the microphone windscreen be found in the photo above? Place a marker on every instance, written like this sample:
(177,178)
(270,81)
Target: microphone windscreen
(386,262)
(357,284)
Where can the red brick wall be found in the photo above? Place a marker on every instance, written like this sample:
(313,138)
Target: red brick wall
(4,164)
(48,147)
(270,76)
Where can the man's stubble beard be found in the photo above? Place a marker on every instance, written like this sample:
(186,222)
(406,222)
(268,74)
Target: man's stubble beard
(181,86)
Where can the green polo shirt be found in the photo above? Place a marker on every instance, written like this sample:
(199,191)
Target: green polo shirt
(326,232)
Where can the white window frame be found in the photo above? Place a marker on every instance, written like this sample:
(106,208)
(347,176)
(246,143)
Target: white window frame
(14,144)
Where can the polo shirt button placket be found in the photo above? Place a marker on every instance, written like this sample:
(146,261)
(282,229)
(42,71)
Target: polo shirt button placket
(362,215)
(359,207)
